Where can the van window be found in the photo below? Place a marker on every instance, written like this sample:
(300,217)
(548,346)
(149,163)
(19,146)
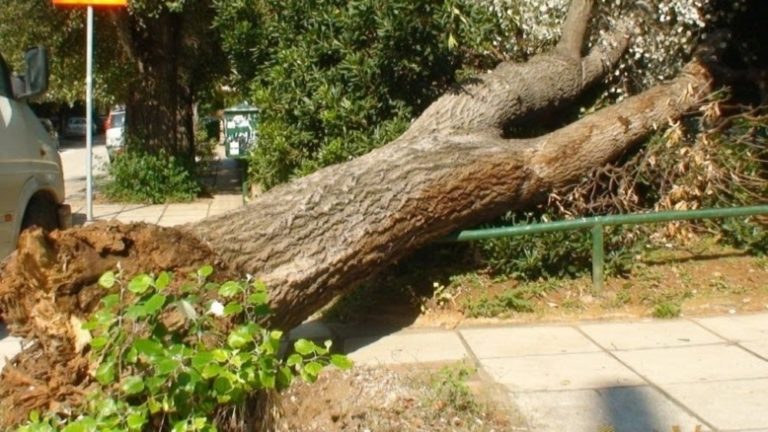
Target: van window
(5,79)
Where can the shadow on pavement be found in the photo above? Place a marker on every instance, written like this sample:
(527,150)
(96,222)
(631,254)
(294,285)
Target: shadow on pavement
(629,409)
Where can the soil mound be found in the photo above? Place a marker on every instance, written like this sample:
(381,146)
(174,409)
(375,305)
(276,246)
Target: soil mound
(48,287)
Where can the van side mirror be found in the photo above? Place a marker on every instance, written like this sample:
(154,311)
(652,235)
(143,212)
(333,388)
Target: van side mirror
(35,80)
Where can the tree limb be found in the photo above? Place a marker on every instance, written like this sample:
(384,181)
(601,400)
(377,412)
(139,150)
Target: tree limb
(574,28)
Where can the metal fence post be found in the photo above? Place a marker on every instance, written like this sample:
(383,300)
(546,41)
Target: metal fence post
(598,257)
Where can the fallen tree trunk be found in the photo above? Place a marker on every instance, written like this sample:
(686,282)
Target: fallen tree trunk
(321,234)
(315,237)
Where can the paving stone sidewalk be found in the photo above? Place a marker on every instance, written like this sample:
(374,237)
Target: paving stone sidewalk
(225,181)
(703,374)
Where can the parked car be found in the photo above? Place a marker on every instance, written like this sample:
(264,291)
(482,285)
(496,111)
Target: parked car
(115,132)
(31,174)
(75,127)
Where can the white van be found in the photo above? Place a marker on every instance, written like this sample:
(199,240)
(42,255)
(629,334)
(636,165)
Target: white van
(31,176)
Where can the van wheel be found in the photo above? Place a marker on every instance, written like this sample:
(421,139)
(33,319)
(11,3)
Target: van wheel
(41,213)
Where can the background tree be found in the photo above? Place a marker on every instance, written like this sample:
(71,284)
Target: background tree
(347,77)
(156,57)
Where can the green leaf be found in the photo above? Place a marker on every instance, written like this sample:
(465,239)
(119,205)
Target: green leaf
(239,337)
(154,304)
(136,311)
(268,379)
(202,359)
(180,426)
(165,366)
(155,383)
(233,308)
(110,301)
(105,373)
(294,359)
(230,288)
(311,370)
(205,271)
(259,286)
(211,370)
(107,280)
(220,355)
(163,280)
(140,284)
(341,361)
(222,385)
(304,347)
(136,420)
(132,385)
(148,347)
(284,377)
(258,298)
(98,342)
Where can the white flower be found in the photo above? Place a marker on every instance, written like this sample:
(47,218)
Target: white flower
(217,308)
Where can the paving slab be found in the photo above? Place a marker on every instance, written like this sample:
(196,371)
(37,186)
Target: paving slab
(738,327)
(695,364)
(759,348)
(107,211)
(406,347)
(561,372)
(649,334)
(497,342)
(728,406)
(625,409)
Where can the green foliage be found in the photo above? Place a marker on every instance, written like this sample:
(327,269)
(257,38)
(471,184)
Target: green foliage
(667,309)
(347,77)
(449,389)
(169,358)
(553,254)
(140,176)
(518,299)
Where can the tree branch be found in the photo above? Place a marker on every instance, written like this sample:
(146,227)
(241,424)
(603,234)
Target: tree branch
(574,28)
(606,53)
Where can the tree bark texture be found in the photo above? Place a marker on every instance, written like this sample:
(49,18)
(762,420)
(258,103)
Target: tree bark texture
(319,235)
(170,51)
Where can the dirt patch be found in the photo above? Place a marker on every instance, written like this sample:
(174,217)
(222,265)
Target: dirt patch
(385,399)
(697,280)
(49,287)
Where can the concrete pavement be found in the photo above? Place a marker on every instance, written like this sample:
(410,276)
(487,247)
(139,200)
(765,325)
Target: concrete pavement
(224,180)
(701,374)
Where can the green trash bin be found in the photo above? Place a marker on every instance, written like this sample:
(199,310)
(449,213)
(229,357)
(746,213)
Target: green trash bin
(240,132)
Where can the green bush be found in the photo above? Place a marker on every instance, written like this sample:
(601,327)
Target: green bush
(172,356)
(347,77)
(553,254)
(138,176)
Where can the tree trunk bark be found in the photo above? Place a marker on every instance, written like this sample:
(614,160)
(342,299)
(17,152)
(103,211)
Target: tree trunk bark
(313,238)
(159,99)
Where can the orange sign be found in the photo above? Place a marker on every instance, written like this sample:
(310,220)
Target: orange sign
(90,2)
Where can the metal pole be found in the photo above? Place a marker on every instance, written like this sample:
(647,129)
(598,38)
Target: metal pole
(89,117)
(598,258)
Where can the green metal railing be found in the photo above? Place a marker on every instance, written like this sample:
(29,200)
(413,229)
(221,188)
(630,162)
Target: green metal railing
(596,225)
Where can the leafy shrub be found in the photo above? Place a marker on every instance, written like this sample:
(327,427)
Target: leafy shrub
(138,176)
(172,358)
(553,254)
(335,83)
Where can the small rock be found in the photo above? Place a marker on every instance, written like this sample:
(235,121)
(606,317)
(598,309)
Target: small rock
(731,311)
